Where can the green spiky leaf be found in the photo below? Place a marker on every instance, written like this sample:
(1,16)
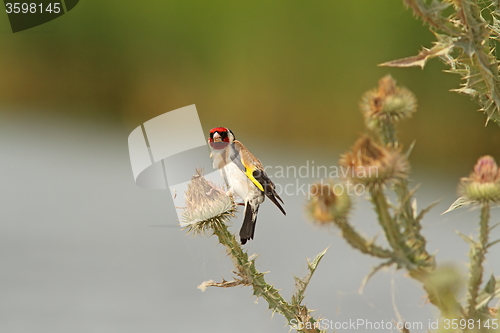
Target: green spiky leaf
(301,284)
(372,273)
(485,296)
(489,288)
(467,239)
(460,202)
(492,243)
(426,210)
(442,48)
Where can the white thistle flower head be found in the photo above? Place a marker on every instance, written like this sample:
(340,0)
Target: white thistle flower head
(206,205)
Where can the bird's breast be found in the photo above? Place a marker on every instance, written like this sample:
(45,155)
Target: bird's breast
(239,182)
(218,159)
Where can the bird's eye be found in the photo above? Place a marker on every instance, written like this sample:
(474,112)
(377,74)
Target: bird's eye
(223,134)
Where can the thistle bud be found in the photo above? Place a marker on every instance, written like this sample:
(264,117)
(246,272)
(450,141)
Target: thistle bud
(328,202)
(370,163)
(483,184)
(387,102)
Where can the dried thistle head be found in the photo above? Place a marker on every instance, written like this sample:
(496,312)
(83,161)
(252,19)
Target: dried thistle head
(328,202)
(483,184)
(206,205)
(387,103)
(370,163)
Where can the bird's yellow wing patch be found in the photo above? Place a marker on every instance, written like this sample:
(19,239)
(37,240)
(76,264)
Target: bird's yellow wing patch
(250,176)
(249,162)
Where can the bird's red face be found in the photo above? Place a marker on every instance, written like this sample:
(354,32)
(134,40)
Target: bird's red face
(220,137)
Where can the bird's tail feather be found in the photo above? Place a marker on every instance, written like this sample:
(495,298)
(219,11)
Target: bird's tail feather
(269,190)
(248,228)
(272,197)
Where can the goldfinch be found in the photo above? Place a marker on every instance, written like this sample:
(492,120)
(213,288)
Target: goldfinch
(244,176)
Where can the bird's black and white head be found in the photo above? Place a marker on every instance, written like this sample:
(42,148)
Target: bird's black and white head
(220,138)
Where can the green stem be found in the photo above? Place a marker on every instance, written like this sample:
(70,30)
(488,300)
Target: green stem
(359,242)
(385,219)
(249,273)
(484,226)
(246,270)
(406,211)
(412,227)
(478,253)
(387,132)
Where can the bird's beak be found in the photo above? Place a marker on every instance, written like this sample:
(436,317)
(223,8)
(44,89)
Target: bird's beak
(217,137)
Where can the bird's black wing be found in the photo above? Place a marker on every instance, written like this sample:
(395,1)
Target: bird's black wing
(269,190)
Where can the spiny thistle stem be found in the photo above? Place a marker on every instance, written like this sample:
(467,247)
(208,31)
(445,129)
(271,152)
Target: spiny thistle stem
(406,211)
(208,208)
(245,268)
(412,226)
(385,219)
(359,242)
(478,252)
(387,132)
(249,273)
(483,225)
(327,206)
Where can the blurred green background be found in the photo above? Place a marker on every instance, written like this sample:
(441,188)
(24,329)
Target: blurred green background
(291,71)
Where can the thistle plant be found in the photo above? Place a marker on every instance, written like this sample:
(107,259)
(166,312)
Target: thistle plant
(380,151)
(208,210)
(378,161)
(466,35)
(482,189)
